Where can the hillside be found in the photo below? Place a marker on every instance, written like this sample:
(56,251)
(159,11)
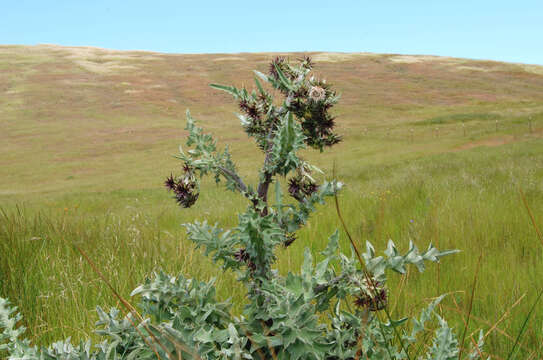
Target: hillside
(435,151)
(72,114)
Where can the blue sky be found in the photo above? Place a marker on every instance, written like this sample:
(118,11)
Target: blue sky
(496,30)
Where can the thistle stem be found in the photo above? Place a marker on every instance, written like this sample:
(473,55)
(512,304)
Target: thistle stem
(229,174)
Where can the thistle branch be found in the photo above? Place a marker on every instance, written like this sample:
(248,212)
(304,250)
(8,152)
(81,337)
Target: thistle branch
(230,175)
(265,182)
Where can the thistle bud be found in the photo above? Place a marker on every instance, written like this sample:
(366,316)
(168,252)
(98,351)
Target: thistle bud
(170,182)
(300,187)
(373,296)
(279,61)
(290,238)
(242,256)
(184,188)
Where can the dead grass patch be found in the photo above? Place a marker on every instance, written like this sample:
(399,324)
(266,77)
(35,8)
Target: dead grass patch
(340,57)
(498,141)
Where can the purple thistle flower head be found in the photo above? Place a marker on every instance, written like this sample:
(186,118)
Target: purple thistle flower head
(186,199)
(309,188)
(184,188)
(306,62)
(294,186)
(170,182)
(280,62)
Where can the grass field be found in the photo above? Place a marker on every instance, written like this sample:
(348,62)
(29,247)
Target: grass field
(435,150)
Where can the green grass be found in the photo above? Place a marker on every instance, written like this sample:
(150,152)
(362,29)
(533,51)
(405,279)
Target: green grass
(458,118)
(83,164)
(467,200)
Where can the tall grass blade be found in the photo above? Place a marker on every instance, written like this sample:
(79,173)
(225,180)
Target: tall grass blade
(470,305)
(368,277)
(539,234)
(524,324)
(131,309)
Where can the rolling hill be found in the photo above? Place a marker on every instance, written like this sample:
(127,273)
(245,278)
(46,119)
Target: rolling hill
(434,149)
(71,114)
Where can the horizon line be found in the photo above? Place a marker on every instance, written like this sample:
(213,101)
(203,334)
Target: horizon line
(263,52)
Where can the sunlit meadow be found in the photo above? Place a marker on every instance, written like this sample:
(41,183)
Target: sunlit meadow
(435,150)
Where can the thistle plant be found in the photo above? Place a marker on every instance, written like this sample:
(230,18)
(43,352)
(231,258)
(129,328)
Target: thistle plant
(334,309)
